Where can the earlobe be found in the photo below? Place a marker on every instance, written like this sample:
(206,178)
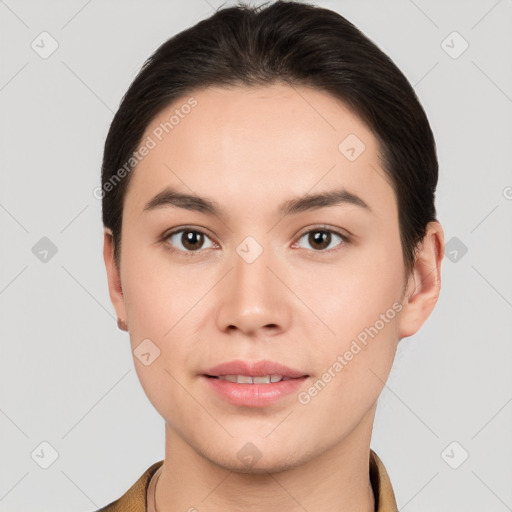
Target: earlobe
(424,282)
(114,279)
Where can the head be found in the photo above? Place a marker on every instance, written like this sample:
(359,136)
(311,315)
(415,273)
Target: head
(268,190)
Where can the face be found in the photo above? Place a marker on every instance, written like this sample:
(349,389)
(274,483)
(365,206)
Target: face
(286,261)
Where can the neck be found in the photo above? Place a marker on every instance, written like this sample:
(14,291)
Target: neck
(337,480)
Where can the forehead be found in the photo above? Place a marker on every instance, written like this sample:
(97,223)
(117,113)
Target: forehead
(259,141)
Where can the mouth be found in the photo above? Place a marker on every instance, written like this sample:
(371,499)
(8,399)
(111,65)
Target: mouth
(247,371)
(253,384)
(248,379)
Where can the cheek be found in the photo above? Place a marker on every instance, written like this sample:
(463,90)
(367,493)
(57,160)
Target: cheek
(353,295)
(157,292)
(352,367)
(359,304)
(166,303)
(156,336)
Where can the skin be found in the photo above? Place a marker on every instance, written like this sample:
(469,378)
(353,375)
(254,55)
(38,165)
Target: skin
(250,150)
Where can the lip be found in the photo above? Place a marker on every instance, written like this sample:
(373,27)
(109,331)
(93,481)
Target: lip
(253,395)
(254,369)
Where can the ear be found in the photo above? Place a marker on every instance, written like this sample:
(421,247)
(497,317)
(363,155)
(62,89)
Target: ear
(114,279)
(424,282)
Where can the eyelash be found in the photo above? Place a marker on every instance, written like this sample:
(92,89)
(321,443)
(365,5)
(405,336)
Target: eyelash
(323,229)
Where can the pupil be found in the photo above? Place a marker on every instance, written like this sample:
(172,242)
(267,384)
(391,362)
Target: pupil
(321,238)
(193,239)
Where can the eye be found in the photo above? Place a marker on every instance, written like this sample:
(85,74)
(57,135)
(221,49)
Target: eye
(188,240)
(322,239)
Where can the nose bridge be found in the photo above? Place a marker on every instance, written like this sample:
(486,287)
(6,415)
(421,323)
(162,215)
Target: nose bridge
(252,297)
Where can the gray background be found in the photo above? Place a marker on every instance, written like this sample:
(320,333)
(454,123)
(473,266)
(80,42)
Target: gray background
(66,373)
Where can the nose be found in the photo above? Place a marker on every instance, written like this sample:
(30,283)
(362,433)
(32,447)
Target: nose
(252,300)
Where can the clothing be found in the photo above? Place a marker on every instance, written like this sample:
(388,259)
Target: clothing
(135,499)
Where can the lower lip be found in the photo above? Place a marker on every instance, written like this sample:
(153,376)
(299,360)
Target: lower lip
(254,395)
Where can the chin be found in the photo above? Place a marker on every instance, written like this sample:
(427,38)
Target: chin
(260,457)
(275,463)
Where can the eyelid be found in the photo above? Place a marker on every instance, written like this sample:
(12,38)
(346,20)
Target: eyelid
(345,237)
(177,229)
(343,233)
(165,237)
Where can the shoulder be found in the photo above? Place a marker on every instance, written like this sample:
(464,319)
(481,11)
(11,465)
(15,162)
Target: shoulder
(134,499)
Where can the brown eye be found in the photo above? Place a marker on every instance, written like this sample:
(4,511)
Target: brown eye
(321,239)
(192,240)
(188,240)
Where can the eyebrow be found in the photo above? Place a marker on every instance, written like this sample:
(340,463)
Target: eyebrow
(170,197)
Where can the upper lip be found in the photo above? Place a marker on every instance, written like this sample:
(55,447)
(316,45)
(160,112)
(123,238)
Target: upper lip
(254,369)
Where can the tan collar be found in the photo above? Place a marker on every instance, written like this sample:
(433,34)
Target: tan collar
(134,500)
(382,489)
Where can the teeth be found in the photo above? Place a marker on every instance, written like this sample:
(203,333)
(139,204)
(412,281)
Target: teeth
(247,379)
(261,380)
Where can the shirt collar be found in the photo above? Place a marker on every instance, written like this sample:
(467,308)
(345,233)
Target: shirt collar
(381,484)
